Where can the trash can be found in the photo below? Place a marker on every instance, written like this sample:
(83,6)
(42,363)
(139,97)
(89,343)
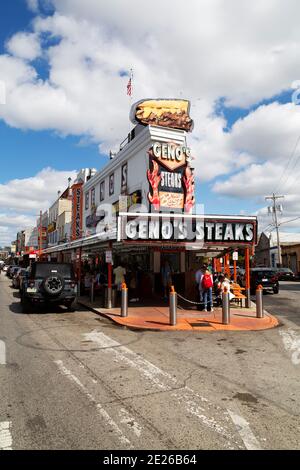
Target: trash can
(113,296)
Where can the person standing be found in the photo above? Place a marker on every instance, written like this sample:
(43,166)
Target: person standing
(119,273)
(207,288)
(222,284)
(198,278)
(135,283)
(166,277)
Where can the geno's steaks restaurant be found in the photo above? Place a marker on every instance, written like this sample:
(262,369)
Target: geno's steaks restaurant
(140,209)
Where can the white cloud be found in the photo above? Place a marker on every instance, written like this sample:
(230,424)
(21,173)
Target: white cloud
(24,45)
(255,180)
(203,50)
(22,199)
(243,52)
(268,133)
(2,92)
(35,193)
(33,5)
(271,137)
(206,49)
(258,181)
(15,220)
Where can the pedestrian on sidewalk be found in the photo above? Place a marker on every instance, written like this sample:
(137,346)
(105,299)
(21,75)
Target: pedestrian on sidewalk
(207,287)
(222,284)
(166,277)
(135,283)
(198,278)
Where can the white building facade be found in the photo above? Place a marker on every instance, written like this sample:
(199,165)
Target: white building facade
(126,177)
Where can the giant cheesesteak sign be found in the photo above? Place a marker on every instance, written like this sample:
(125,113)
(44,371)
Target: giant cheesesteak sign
(207,230)
(172,113)
(170,178)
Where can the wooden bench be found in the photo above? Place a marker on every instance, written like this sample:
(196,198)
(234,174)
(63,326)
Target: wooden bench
(238,295)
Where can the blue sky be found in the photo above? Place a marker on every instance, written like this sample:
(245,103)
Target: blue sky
(15,16)
(239,146)
(28,150)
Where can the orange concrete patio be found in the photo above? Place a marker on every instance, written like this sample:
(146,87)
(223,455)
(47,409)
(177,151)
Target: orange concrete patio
(157,318)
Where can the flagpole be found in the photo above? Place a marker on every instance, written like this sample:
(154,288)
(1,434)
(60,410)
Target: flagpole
(130,95)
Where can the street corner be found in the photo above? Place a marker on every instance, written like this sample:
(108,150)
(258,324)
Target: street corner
(157,319)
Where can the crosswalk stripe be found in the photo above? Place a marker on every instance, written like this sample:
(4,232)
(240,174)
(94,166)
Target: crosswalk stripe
(5,435)
(193,402)
(109,421)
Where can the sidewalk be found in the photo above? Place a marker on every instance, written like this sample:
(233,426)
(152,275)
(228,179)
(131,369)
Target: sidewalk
(156,318)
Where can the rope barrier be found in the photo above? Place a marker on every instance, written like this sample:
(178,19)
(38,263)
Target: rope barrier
(192,301)
(187,300)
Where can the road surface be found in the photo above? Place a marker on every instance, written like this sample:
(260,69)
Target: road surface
(73,380)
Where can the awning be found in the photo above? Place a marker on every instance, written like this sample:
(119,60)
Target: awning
(101,237)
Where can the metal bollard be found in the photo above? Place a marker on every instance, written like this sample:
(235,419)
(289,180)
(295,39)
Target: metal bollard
(109,297)
(225,307)
(248,298)
(92,291)
(173,306)
(124,301)
(259,302)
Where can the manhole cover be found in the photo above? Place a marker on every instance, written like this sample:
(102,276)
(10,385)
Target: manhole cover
(200,324)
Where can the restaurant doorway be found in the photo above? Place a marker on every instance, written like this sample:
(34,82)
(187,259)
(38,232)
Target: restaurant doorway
(176,261)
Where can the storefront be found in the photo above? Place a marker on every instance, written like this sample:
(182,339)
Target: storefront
(139,210)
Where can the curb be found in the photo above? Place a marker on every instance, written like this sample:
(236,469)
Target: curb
(128,327)
(142,328)
(101,314)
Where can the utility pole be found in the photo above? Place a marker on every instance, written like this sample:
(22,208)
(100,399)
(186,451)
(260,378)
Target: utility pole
(40,238)
(274,198)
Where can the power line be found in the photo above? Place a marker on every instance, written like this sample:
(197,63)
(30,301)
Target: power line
(266,227)
(292,183)
(288,221)
(288,163)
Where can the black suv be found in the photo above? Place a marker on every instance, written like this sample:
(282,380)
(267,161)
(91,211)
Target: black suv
(46,283)
(266,277)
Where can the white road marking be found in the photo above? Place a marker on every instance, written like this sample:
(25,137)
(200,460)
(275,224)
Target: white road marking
(291,342)
(118,432)
(188,398)
(149,370)
(193,408)
(243,428)
(5,436)
(126,418)
(2,353)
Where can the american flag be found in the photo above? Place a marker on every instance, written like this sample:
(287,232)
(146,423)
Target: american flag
(129,86)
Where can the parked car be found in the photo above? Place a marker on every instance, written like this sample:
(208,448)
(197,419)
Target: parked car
(9,266)
(12,271)
(48,283)
(266,277)
(22,276)
(16,278)
(285,274)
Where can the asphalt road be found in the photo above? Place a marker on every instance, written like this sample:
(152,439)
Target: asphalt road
(75,381)
(286,305)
